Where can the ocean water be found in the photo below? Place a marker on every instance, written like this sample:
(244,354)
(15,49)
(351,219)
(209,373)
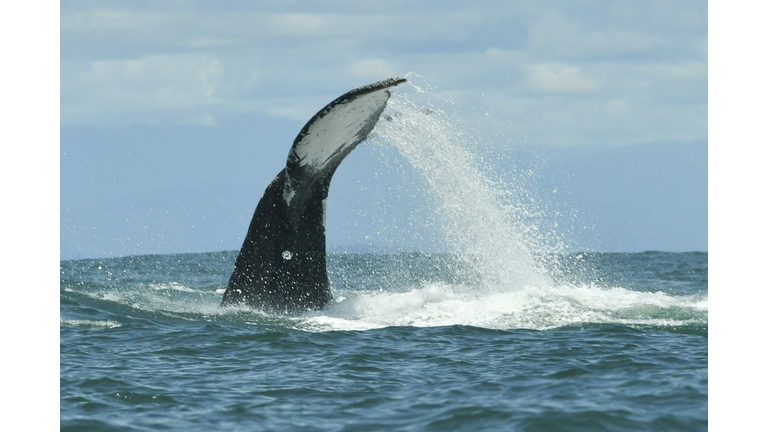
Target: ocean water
(507,328)
(411,342)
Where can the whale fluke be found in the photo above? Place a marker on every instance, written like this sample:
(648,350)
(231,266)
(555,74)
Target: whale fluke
(281,266)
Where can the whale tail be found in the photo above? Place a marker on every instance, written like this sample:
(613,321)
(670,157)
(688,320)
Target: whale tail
(281,266)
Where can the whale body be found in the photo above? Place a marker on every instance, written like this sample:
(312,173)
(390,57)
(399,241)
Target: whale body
(281,267)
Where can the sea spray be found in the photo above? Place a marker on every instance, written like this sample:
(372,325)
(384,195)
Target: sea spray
(493,239)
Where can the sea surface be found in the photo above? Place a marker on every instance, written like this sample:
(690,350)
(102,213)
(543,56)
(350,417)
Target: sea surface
(507,329)
(411,342)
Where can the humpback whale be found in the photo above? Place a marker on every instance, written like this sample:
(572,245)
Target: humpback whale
(281,267)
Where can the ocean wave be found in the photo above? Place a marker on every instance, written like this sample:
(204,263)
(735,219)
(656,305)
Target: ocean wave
(89,323)
(538,308)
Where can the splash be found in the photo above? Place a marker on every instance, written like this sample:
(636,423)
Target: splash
(536,308)
(494,240)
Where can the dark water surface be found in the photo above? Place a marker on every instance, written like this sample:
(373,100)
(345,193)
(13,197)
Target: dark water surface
(412,342)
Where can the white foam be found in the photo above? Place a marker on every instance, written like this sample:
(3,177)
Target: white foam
(433,304)
(166,298)
(89,323)
(538,308)
(175,286)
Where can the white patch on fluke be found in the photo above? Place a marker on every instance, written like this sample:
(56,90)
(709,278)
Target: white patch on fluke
(337,129)
(288,190)
(325,206)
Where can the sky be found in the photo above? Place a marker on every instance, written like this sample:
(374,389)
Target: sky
(174,116)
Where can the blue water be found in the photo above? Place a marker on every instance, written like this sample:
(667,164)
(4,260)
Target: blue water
(411,342)
(503,331)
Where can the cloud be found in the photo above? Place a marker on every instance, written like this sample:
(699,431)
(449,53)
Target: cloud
(373,69)
(210,76)
(139,88)
(528,60)
(559,78)
(618,107)
(568,37)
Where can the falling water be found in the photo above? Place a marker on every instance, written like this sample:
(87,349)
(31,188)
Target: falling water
(476,226)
